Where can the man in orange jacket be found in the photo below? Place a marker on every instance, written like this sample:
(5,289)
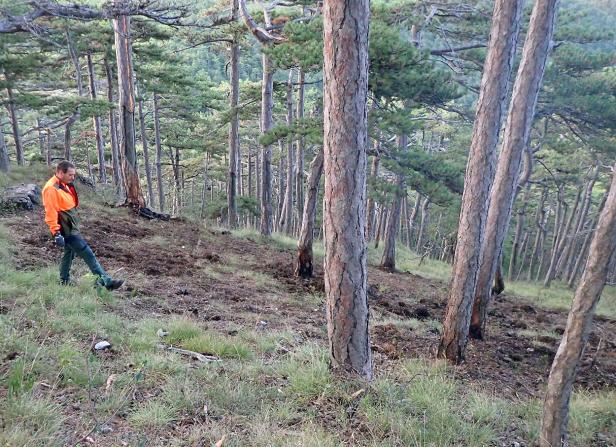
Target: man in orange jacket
(61,202)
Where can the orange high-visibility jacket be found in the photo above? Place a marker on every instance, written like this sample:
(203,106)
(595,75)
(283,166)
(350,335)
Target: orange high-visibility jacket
(61,202)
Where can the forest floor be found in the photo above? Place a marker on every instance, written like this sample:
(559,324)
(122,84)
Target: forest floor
(234,296)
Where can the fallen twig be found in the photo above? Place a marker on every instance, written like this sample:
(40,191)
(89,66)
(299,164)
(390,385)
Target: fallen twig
(192,354)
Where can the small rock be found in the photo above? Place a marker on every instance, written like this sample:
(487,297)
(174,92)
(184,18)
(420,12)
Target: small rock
(102,345)
(530,350)
(162,333)
(515,444)
(261,325)
(104,429)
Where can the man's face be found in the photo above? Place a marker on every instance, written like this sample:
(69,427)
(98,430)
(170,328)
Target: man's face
(66,177)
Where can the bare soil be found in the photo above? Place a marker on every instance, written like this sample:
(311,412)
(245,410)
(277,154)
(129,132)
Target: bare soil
(178,267)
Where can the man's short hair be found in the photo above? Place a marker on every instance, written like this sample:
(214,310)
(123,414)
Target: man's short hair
(64,166)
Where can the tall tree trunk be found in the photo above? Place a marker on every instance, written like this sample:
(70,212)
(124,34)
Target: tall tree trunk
(287,217)
(71,120)
(19,147)
(560,242)
(413,218)
(423,225)
(100,142)
(299,161)
(146,154)
(123,46)
(206,163)
(113,133)
(281,186)
(388,260)
(345,89)
(5,164)
(41,136)
(382,219)
(371,206)
(159,156)
(267,106)
(304,265)
(234,82)
(540,225)
(515,142)
(579,324)
(587,201)
(517,237)
(478,178)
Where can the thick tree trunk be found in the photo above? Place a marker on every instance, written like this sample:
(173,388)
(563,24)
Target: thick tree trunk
(345,89)
(146,154)
(19,147)
(100,142)
(267,107)
(515,142)
(579,324)
(159,156)
(113,133)
(478,178)
(304,265)
(234,138)
(123,46)
(5,164)
(287,215)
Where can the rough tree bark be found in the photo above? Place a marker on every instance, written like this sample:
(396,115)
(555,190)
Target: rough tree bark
(515,142)
(123,47)
(100,142)
(579,323)
(478,178)
(345,89)
(299,161)
(304,265)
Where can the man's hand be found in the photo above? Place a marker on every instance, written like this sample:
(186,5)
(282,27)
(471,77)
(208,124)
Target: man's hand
(59,240)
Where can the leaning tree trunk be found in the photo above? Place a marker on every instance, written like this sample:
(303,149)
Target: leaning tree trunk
(234,81)
(515,141)
(345,89)
(579,324)
(19,147)
(159,156)
(123,46)
(560,242)
(113,133)
(478,178)
(304,265)
(5,164)
(423,226)
(100,142)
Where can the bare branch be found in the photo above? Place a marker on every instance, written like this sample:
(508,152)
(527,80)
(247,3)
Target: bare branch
(260,33)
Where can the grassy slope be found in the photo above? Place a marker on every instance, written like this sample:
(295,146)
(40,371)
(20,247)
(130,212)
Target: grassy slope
(272,388)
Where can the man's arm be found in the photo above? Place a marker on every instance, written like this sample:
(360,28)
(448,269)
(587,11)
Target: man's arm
(50,201)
